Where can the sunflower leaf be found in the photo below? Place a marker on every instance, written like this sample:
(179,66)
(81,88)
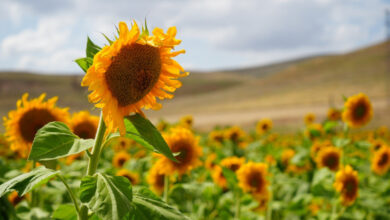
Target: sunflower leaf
(143,131)
(84,63)
(92,48)
(65,211)
(55,140)
(109,197)
(26,182)
(149,206)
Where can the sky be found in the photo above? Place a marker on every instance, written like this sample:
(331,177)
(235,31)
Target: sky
(46,36)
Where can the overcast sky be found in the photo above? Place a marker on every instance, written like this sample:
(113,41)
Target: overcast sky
(47,35)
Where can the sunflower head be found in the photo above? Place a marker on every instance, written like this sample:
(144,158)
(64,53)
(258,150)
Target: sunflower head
(329,157)
(252,177)
(162,125)
(183,141)
(382,131)
(287,154)
(216,136)
(334,114)
(210,162)
(314,130)
(235,134)
(381,161)
(347,184)
(132,177)
(132,72)
(263,126)
(309,118)
(317,146)
(122,144)
(30,115)
(376,145)
(84,125)
(232,163)
(155,178)
(14,199)
(357,111)
(120,159)
(187,121)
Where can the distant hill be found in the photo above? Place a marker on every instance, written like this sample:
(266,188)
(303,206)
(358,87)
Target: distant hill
(283,91)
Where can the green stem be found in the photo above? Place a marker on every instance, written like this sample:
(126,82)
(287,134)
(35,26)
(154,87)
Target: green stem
(34,194)
(238,206)
(334,210)
(93,160)
(72,196)
(269,205)
(166,188)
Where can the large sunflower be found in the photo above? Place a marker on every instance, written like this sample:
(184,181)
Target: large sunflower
(84,125)
(23,123)
(347,183)
(263,126)
(132,72)
(329,157)
(357,110)
(381,161)
(252,177)
(183,141)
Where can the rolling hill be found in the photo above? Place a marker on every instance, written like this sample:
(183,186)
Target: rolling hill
(283,91)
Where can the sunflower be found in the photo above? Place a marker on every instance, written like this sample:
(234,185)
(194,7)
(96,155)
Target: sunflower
(252,177)
(235,134)
(162,125)
(216,136)
(155,178)
(382,131)
(232,163)
(347,183)
(317,146)
(132,177)
(120,159)
(287,154)
(132,72)
(122,144)
(14,199)
(270,160)
(376,145)
(84,125)
(334,114)
(357,111)
(181,140)
(23,123)
(187,121)
(263,126)
(329,157)
(314,130)
(381,161)
(314,207)
(262,199)
(211,161)
(309,118)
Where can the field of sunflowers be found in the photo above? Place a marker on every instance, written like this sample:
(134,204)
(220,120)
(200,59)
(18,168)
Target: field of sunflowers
(57,165)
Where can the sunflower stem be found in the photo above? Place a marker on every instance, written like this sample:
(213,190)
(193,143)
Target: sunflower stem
(166,188)
(94,160)
(238,205)
(34,194)
(71,194)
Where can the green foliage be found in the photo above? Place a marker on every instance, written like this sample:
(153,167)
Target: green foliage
(28,181)
(65,212)
(84,63)
(109,197)
(92,48)
(55,140)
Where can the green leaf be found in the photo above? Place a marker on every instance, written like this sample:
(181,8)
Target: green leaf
(55,140)
(84,63)
(148,206)
(26,182)
(142,131)
(340,142)
(329,125)
(108,39)
(92,48)
(65,211)
(230,176)
(109,197)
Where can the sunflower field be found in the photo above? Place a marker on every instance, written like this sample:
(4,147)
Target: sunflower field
(119,165)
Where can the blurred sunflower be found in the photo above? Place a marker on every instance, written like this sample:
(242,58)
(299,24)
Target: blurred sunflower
(84,125)
(309,118)
(329,157)
(23,123)
(132,177)
(376,145)
(270,160)
(381,161)
(314,130)
(314,207)
(210,162)
(183,141)
(132,72)
(232,163)
(262,199)
(120,159)
(357,111)
(235,134)
(382,131)
(252,177)
(263,126)
(287,154)
(14,199)
(155,179)
(122,144)
(187,121)
(334,114)
(162,125)
(317,146)
(347,183)
(216,136)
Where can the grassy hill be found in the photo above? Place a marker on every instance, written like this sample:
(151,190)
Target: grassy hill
(283,91)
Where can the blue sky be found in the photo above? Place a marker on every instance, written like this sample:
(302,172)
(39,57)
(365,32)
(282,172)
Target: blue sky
(46,35)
